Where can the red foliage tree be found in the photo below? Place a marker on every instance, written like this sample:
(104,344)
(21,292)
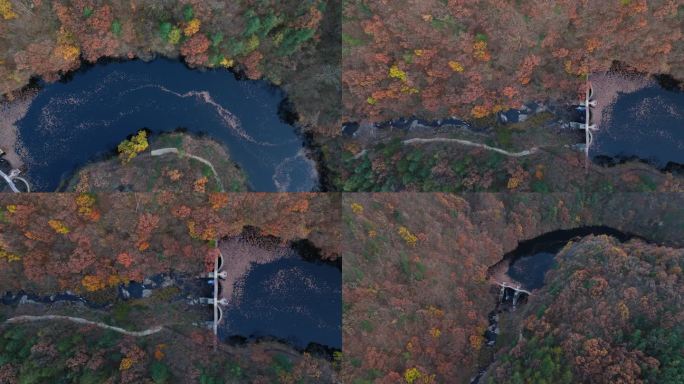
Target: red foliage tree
(195,49)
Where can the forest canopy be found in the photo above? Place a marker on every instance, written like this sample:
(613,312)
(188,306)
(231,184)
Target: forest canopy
(467,58)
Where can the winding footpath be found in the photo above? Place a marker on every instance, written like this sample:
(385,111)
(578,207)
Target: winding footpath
(79,320)
(164,151)
(418,140)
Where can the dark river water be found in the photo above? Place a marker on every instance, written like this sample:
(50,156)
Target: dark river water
(82,119)
(533,258)
(289,299)
(132,290)
(647,125)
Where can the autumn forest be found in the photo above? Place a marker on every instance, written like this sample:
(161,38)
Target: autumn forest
(341,191)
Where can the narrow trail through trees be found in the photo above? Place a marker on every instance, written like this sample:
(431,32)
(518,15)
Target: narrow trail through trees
(526,152)
(79,320)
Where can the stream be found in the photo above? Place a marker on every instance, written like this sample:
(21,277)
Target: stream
(132,290)
(646,125)
(295,299)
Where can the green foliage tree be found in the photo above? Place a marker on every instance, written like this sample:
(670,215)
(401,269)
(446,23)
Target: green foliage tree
(269,23)
(293,39)
(188,12)
(160,372)
(667,345)
(282,364)
(216,39)
(208,379)
(543,362)
(236,47)
(164,30)
(253,24)
(116,27)
(93,377)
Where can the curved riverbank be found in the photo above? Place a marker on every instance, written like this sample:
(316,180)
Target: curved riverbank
(248,121)
(546,246)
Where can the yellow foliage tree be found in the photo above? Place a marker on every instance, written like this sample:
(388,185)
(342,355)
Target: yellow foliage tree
(456,66)
(128,149)
(479,111)
(92,283)
(114,280)
(126,363)
(623,309)
(514,182)
(480,51)
(209,233)
(192,27)
(174,35)
(408,237)
(476,342)
(226,62)
(411,375)
(409,90)
(68,52)
(58,227)
(357,208)
(435,312)
(85,203)
(8,256)
(6,10)
(66,46)
(192,229)
(396,73)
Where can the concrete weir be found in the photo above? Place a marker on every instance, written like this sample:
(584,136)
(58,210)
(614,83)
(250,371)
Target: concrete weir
(588,127)
(217,275)
(14,175)
(516,289)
